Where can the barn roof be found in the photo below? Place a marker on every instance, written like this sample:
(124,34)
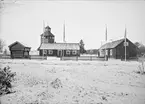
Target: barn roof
(60,46)
(112,44)
(23,44)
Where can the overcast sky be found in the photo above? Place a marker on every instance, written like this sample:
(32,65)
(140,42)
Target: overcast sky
(83,20)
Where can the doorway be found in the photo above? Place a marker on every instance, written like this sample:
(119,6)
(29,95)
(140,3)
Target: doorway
(59,53)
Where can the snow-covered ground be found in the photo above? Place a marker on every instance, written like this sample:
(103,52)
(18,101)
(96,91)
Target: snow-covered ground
(75,82)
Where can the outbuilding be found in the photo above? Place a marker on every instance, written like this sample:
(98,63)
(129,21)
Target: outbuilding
(116,49)
(19,50)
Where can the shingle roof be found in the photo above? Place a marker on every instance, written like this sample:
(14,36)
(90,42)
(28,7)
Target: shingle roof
(57,46)
(23,44)
(112,44)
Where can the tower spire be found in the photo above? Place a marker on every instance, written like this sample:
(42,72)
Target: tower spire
(106,51)
(47,24)
(106,34)
(64,32)
(43,26)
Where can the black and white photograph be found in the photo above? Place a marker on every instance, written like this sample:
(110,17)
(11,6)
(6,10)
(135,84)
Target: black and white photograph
(72,51)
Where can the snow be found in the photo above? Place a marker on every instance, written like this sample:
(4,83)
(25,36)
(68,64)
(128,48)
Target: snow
(83,82)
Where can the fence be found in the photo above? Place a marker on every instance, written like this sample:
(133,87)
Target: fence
(2,56)
(89,58)
(31,57)
(38,57)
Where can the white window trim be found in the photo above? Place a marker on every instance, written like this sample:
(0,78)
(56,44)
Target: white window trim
(111,52)
(50,52)
(74,52)
(68,52)
(45,51)
(106,52)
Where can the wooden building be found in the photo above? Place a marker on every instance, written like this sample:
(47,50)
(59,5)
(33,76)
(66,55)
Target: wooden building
(92,51)
(48,46)
(116,49)
(18,50)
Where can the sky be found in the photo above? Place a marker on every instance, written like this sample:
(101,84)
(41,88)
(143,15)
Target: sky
(86,20)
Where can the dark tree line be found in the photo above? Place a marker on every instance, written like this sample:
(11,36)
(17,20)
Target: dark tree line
(82,48)
(141,47)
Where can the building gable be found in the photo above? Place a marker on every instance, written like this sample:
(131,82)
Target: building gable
(17,46)
(113,44)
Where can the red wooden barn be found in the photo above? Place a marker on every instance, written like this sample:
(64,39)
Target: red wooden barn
(19,50)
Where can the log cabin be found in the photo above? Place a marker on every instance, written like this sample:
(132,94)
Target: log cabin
(19,50)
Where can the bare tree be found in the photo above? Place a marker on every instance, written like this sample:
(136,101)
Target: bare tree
(5,52)
(141,47)
(2,44)
(7,3)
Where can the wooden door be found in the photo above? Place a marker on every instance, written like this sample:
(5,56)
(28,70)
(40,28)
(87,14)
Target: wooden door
(59,53)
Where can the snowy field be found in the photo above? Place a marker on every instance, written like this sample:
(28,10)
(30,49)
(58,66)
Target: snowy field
(75,82)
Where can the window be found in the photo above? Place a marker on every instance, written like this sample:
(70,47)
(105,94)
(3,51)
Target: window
(68,52)
(45,51)
(126,44)
(74,52)
(25,53)
(106,52)
(111,52)
(50,52)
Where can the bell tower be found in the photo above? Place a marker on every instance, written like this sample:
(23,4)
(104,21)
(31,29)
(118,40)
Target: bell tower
(47,36)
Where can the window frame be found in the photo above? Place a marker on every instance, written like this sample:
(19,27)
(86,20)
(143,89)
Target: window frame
(106,52)
(74,52)
(111,52)
(45,51)
(68,52)
(50,52)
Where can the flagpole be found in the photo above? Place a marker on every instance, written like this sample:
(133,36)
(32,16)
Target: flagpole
(125,43)
(105,43)
(43,36)
(63,37)
(64,32)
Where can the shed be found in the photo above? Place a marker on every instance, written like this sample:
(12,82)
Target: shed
(116,49)
(19,50)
